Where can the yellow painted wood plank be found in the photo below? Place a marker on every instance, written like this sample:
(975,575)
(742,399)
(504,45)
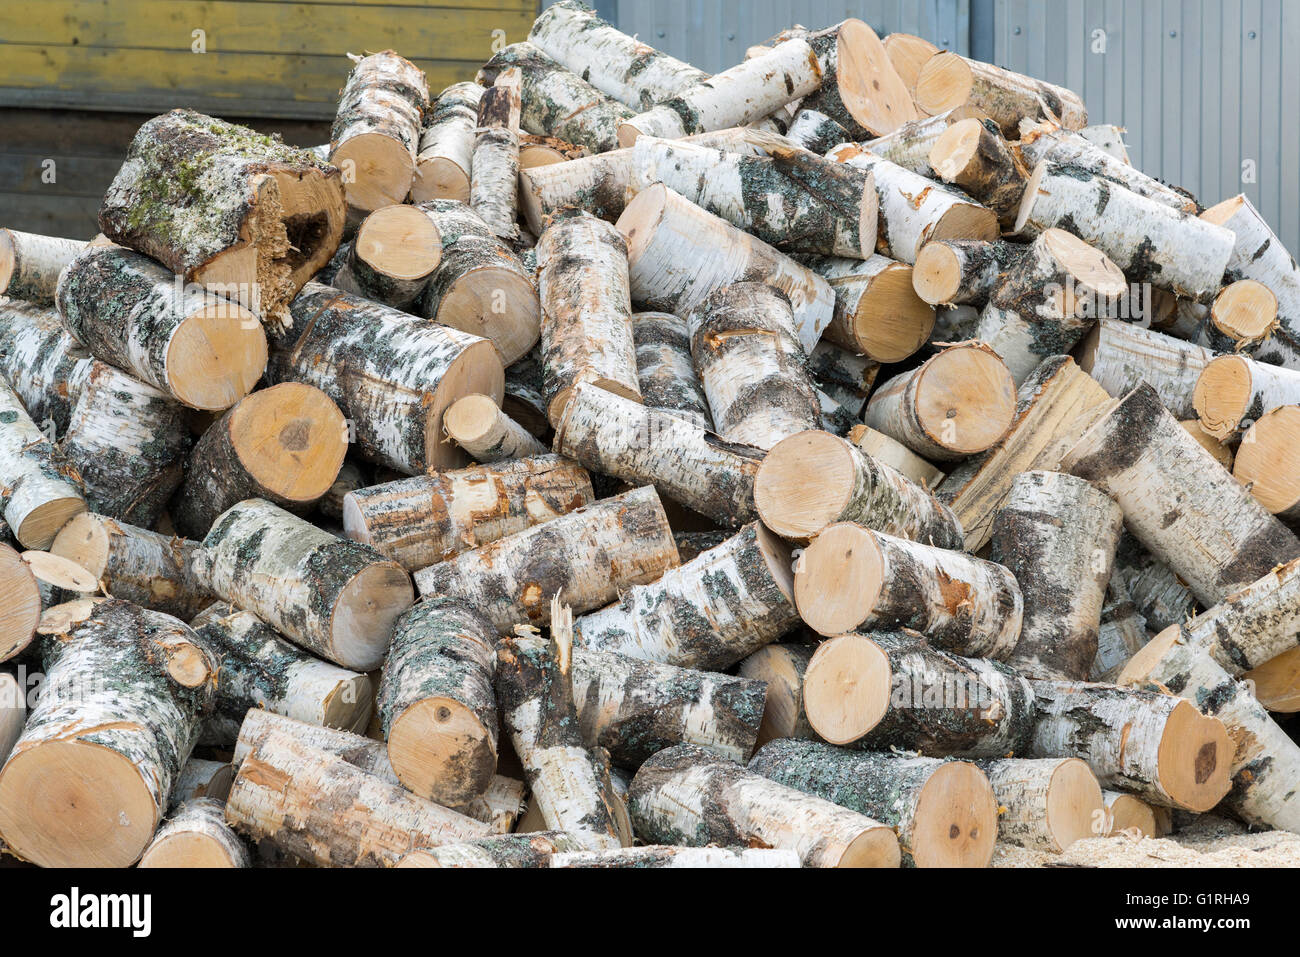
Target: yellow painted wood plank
(230,26)
(529,6)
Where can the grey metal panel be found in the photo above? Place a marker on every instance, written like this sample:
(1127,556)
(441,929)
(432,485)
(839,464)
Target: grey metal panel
(1199,95)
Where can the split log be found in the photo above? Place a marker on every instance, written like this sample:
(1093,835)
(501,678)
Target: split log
(1266,462)
(949,80)
(393,254)
(36,498)
(259,669)
(1155,745)
(284,444)
(557,102)
(533,850)
(793,199)
(480,286)
(883,450)
(1048,300)
(1147,240)
(477,425)
(909,146)
(664,370)
(944,812)
(435,702)
(1049,803)
(813,480)
(746,92)
(376,130)
(151,569)
(845,376)
(877,312)
(1121,633)
(430,518)
(707,614)
(240,213)
(117,716)
(588,555)
(200,779)
(633,707)
(1053,408)
(20,608)
(970,155)
(599,184)
(586,300)
(127,444)
(392,377)
(1234,392)
(1118,354)
(1057,535)
(860,87)
(43,364)
(959,402)
(13,714)
(781,668)
(336,598)
(196,835)
(446,148)
(915,210)
(816,132)
(30,264)
(668,855)
(318,807)
(1242,319)
(570,785)
(852,577)
(689,796)
(1160,596)
(1048,141)
(908,53)
(494,170)
(892,690)
(674,263)
(129,311)
(1181,504)
(955,271)
(751,365)
(639,445)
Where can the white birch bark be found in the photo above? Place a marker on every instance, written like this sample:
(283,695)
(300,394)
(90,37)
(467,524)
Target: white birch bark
(1034,816)
(1234,392)
(36,497)
(949,80)
(494,170)
(1120,354)
(664,370)
(909,146)
(497,439)
(30,264)
(670,856)
(599,184)
(196,835)
(43,364)
(446,148)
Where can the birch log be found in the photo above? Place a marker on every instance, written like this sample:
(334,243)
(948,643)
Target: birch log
(1121,634)
(132,313)
(1159,595)
(1259,255)
(43,364)
(1180,503)
(376,130)
(153,570)
(1118,354)
(781,668)
(679,253)
(30,264)
(909,146)
(586,310)
(813,480)
(707,614)
(1049,802)
(640,445)
(885,451)
(259,669)
(816,132)
(851,577)
(689,796)
(446,147)
(36,496)
(1147,240)
(318,807)
(126,443)
(200,778)
(238,212)
(955,271)
(877,312)
(892,690)
(1155,745)
(196,835)
(791,198)
(338,599)
(751,364)
(477,425)
(669,856)
(861,87)
(435,702)
(366,754)
(1057,535)
(599,184)
(959,402)
(494,170)
(1234,392)
(118,714)
(664,370)
(393,254)
(588,555)
(1242,319)
(1266,462)
(976,158)
(284,444)
(392,377)
(949,80)
(845,376)
(944,812)
(915,210)
(533,850)
(20,609)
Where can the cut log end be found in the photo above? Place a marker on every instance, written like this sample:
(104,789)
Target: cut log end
(439,747)
(1194,759)
(1073,797)
(1144,662)
(291,439)
(378,170)
(1094,273)
(1127,812)
(440,178)
(1223,395)
(956,820)
(20,603)
(216,356)
(890,321)
(965,400)
(1268,461)
(937,275)
(1277,682)
(60,572)
(40,525)
(188,850)
(496,303)
(399,241)
(846,688)
(476,371)
(874,847)
(640,217)
(788,503)
(869,85)
(944,83)
(368,606)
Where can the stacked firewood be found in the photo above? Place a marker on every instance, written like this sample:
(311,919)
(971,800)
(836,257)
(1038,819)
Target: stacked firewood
(847,459)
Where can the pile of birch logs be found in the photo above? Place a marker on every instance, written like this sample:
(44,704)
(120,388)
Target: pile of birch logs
(847,459)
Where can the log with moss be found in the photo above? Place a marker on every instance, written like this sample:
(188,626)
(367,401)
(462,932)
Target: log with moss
(953,272)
